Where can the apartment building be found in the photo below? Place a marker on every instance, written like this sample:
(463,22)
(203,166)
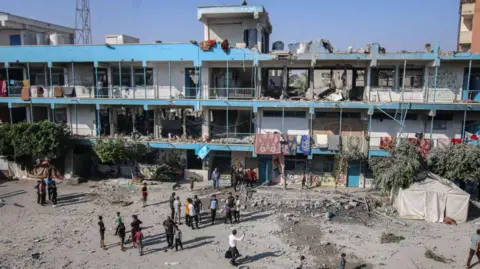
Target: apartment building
(236,99)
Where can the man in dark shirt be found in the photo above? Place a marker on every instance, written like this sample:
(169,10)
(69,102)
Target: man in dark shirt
(169,230)
(102,232)
(172,208)
(135,226)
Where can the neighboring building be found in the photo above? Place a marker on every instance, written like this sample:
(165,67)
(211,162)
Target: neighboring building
(120,39)
(219,99)
(20,31)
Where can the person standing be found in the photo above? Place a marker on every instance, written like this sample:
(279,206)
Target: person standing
(232,242)
(252,177)
(197,203)
(43,192)
(37,190)
(102,232)
(229,206)
(193,216)
(139,239)
(121,233)
(144,194)
(187,212)
(178,210)
(54,193)
(215,178)
(48,182)
(192,183)
(474,248)
(343,262)
(213,207)
(135,226)
(304,180)
(172,207)
(178,238)
(169,232)
(233,176)
(118,221)
(236,213)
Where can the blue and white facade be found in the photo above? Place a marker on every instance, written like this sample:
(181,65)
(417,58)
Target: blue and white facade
(218,100)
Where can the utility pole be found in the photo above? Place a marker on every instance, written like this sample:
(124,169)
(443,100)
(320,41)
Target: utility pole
(83,29)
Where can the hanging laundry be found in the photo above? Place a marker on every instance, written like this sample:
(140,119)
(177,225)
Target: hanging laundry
(456,141)
(305,145)
(26,94)
(267,144)
(40,91)
(321,140)
(225,46)
(69,91)
(354,144)
(3,89)
(26,83)
(290,148)
(207,45)
(333,142)
(424,147)
(58,91)
(387,142)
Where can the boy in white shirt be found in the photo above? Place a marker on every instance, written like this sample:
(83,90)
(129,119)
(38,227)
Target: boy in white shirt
(232,242)
(193,214)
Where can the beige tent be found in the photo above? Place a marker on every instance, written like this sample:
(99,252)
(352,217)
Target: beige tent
(433,199)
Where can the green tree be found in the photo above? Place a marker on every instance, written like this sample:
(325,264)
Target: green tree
(24,141)
(118,151)
(459,161)
(403,165)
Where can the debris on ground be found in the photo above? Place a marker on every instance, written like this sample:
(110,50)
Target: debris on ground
(429,253)
(390,238)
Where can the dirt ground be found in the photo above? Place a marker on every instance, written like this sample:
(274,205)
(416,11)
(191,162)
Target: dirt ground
(279,226)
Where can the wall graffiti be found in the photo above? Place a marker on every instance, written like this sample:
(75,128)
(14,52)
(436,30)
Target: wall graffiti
(445,79)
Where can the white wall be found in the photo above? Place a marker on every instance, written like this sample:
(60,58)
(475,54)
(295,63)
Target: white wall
(5,36)
(161,78)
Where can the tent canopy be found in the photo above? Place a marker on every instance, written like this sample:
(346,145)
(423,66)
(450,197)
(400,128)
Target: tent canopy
(433,199)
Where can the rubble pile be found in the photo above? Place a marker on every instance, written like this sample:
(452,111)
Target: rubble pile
(111,195)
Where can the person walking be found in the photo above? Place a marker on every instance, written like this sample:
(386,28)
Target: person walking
(232,242)
(135,226)
(172,207)
(37,190)
(215,178)
(252,177)
(197,203)
(139,239)
(178,210)
(236,212)
(187,212)
(121,231)
(193,216)
(169,226)
(102,232)
(213,207)
(474,248)
(144,194)
(178,238)
(229,207)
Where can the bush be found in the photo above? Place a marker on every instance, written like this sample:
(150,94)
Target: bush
(117,151)
(459,161)
(24,141)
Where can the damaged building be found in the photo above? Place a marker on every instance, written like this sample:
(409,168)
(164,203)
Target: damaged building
(238,99)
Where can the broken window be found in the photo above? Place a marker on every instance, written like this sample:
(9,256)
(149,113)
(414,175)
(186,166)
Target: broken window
(105,121)
(383,78)
(322,165)
(139,77)
(39,113)
(193,161)
(337,84)
(60,115)
(41,76)
(298,83)
(126,76)
(19,114)
(223,161)
(413,78)
(240,124)
(295,165)
(273,83)
(238,83)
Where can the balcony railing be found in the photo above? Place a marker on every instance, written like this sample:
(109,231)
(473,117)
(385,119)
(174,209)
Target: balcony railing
(232,93)
(386,95)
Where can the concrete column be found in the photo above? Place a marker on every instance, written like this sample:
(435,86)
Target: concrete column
(368,86)
(205,81)
(206,122)
(29,113)
(258,90)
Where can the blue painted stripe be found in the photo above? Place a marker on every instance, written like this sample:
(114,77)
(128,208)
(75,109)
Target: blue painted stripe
(377,153)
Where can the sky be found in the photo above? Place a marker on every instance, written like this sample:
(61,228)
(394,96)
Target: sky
(395,24)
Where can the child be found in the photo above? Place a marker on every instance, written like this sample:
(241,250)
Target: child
(102,232)
(37,190)
(236,212)
(302,259)
(139,239)
(54,193)
(177,206)
(187,213)
(144,194)
(197,203)
(121,233)
(343,262)
(178,238)
(304,180)
(118,221)
(213,207)
(192,180)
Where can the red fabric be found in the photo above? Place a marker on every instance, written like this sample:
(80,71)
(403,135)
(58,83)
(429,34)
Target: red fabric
(387,142)
(413,140)
(268,144)
(252,175)
(207,45)
(474,137)
(424,147)
(456,141)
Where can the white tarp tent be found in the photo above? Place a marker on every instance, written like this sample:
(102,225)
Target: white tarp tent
(433,199)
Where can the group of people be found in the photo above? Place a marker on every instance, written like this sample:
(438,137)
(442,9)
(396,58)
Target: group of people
(238,176)
(44,187)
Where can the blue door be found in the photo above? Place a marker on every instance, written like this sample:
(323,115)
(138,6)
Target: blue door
(15,40)
(265,169)
(353,179)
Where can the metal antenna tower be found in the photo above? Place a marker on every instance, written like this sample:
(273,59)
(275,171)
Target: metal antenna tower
(83,29)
